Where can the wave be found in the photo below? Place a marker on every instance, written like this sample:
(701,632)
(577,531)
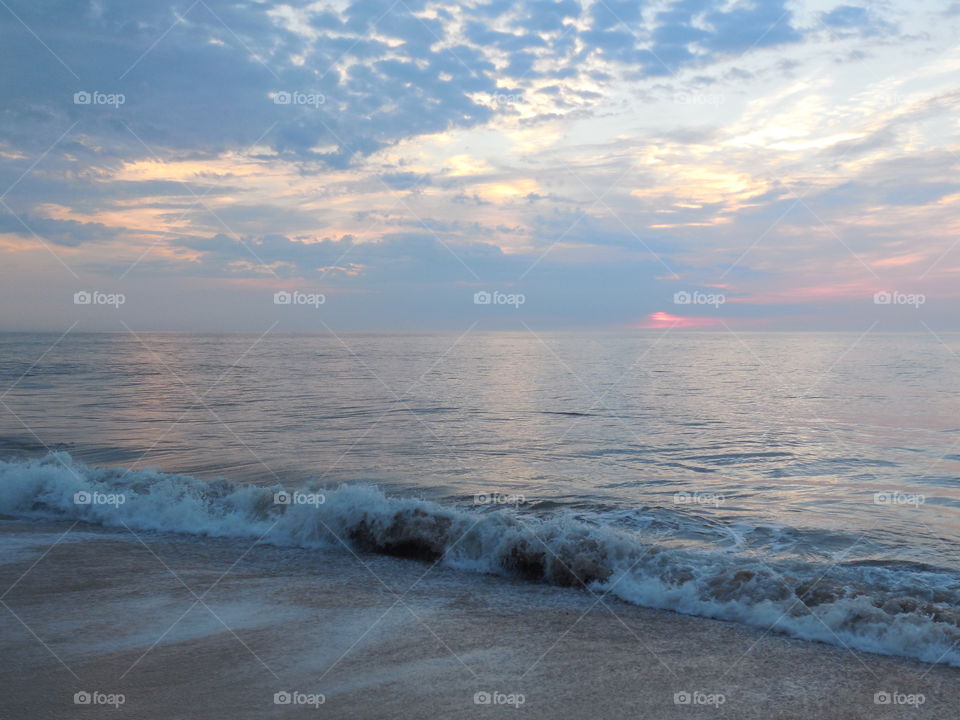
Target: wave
(906,609)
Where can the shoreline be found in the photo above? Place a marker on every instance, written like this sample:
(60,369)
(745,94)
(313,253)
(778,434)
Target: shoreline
(231,623)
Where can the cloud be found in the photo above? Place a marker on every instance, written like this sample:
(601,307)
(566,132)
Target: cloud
(696,32)
(204,77)
(854,19)
(666,321)
(189,82)
(406,180)
(846,16)
(480,34)
(68,233)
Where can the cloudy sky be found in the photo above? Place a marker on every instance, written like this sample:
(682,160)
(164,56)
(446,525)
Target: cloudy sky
(778,163)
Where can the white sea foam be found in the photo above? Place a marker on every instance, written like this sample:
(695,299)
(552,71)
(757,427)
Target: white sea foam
(892,609)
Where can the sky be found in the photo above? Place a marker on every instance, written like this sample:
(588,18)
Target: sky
(229,165)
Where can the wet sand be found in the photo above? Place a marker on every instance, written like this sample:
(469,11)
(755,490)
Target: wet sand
(191,628)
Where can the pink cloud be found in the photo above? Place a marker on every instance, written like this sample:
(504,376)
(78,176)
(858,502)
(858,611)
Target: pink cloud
(899,260)
(662,320)
(814,293)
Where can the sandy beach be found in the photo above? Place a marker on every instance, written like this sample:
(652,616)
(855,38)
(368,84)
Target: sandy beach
(185,627)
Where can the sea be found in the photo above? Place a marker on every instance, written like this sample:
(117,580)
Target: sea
(804,483)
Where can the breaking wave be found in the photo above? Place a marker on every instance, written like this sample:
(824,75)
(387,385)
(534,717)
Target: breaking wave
(904,609)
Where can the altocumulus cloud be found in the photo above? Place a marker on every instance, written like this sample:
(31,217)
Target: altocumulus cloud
(200,76)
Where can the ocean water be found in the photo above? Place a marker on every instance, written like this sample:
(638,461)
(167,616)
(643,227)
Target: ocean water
(806,482)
